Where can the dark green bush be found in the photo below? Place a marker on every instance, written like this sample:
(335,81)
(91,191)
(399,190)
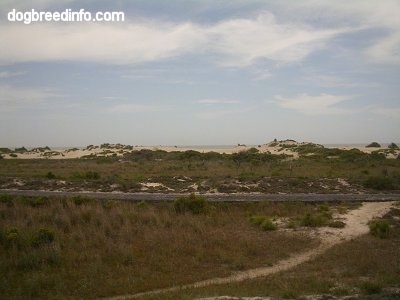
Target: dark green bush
(193,204)
(79,200)
(370,288)
(380,183)
(110,204)
(21,150)
(13,155)
(315,220)
(7,199)
(10,237)
(92,175)
(50,175)
(43,236)
(393,146)
(373,145)
(35,201)
(379,228)
(5,150)
(337,224)
(263,222)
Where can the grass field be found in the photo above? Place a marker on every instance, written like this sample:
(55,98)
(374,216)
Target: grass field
(81,248)
(65,248)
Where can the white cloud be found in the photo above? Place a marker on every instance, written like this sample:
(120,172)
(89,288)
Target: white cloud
(314,105)
(237,42)
(217,101)
(136,108)
(365,14)
(7,74)
(243,41)
(387,50)
(103,43)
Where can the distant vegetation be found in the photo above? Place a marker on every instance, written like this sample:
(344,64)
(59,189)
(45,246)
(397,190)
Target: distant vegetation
(316,170)
(373,145)
(393,146)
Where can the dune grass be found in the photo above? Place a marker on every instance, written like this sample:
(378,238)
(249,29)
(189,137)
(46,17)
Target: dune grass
(216,170)
(363,266)
(84,248)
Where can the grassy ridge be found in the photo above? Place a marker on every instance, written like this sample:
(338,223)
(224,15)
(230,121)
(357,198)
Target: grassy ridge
(209,171)
(83,248)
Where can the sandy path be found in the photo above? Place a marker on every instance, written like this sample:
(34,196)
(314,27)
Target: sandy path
(356,225)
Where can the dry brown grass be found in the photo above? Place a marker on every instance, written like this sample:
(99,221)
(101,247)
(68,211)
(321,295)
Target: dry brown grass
(359,266)
(110,248)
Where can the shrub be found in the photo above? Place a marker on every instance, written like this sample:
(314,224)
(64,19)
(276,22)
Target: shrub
(379,228)
(5,150)
(379,183)
(337,224)
(193,204)
(393,146)
(79,200)
(92,175)
(21,150)
(36,201)
(43,236)
(50,175)
(373,145)
(10,237)
(318,220)
(371,288)
(7,199)
(110,204)
(142,204)
(263,222)
(13,155)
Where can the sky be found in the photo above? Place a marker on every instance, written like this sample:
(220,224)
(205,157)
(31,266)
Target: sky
(201,72)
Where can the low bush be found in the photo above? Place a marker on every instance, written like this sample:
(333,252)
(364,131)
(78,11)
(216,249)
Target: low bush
(110,204)
(50,175)
(380,183)
(35,201)
(7,199)
(315,220)
(370,288)
(263,222)
(373,145)
(337,224)
(193,204)
(43,236)
(379,228)
(393,146)
(79,200)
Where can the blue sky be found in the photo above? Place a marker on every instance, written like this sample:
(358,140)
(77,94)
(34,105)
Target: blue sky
(202,72)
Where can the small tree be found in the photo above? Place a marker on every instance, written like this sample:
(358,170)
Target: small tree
(393,146)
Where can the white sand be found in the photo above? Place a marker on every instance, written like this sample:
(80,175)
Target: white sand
(275,148)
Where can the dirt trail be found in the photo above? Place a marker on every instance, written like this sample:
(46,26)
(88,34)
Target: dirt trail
(356,225)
